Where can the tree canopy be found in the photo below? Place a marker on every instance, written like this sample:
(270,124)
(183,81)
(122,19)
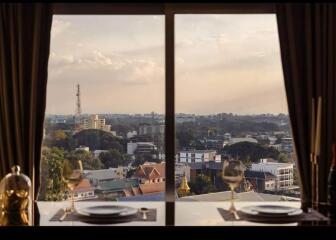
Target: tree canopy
(113,158)
(251,151)
(201,185)
(97,139)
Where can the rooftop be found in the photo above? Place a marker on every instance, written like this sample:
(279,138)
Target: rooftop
(149,170)
(84,186)
(206,165)
(117,185)
(159,196)
(258,174)
(102,174)
(198,151)
(226,196)
(279,165)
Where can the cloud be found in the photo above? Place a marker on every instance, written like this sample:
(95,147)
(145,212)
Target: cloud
(123,69)
(59,27)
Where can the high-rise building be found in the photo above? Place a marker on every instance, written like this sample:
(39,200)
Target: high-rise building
(151,129)
(94,122)
(282,171)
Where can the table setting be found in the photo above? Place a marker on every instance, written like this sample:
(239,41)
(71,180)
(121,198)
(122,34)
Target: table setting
(272,214)
(105,214)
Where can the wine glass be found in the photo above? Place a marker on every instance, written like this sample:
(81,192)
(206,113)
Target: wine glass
(72,174)
(233,174)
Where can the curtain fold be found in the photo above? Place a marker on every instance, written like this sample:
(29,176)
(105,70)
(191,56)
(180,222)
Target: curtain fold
(24,52)
(307,34)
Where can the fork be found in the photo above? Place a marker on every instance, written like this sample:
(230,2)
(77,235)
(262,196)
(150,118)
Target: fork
(235,214)
(66,210)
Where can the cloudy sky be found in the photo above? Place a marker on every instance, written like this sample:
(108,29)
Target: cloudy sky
(224,63)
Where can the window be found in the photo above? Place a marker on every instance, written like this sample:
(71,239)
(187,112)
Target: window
(230,92)
(192,63)
(105,107)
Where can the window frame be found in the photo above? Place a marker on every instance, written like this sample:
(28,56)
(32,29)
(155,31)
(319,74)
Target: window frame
(168,10)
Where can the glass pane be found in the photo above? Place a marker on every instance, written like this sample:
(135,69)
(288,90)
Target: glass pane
(105,106)
(231,105)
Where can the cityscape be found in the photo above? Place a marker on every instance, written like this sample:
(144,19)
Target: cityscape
(124,159)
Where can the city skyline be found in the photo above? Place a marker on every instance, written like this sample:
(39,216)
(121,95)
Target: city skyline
(124,72)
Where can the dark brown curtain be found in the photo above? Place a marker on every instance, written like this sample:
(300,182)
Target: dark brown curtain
(24,53)
(307,34)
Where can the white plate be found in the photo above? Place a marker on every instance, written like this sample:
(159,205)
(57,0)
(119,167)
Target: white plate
(272,211)
(106,211)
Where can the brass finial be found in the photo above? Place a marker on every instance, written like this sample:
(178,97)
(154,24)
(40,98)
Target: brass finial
(16,169)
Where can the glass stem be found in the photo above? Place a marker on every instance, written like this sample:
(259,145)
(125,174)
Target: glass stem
(232,208)
(72,201)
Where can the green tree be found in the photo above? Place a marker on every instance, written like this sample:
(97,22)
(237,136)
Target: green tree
(142,158)
(255,151)
(52,186)
(186,138)
(201,185)
(59,135)
(283,158)
(59,139)
(97,139)
(113,158)
(88,160)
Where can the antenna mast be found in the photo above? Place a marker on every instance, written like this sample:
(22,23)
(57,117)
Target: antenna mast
(78,109)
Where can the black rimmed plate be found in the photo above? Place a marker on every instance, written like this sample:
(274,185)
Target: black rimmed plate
(107,211)
(272,211)
(272,214)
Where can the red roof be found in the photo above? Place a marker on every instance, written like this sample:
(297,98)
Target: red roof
(84,186)
(152,187)
(151,171)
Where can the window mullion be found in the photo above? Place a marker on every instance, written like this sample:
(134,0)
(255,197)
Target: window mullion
(170,119)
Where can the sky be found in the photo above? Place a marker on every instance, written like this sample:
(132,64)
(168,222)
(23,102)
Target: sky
(223,63)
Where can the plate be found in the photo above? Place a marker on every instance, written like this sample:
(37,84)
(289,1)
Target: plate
(272,211)
(104,211)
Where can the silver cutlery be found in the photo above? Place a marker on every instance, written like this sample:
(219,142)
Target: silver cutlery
(235,214)
(66,212)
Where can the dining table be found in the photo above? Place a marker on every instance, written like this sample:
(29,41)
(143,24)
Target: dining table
(193,213)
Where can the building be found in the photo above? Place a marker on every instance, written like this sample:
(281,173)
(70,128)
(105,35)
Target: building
(151,129)
(227,136)
(287,144)
(182,118)
(192,156)
(83,148)
(94,122)
(181,170)
(156,196)
(151,178)
(261,181)
(131,134)
(149,172)
(212,143)
(276,146)
(140,147)
(97,176)
(96,153)
(84,191)
(211,169)
(245,139)
(115,188)
(282,171)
